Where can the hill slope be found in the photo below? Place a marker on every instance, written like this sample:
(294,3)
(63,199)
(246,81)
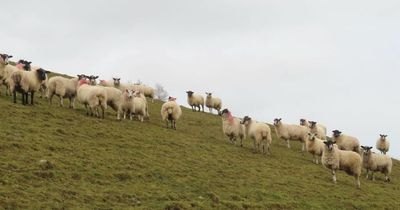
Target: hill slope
(103,164)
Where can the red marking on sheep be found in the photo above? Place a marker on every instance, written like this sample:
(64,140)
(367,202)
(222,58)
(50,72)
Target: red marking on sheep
(230,118)
(83,81)
(20,66)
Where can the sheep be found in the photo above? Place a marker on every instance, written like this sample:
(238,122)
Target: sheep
(318,130)
(9,69)
(92,97)
(149,92)
(126,105)
(376,162)
(346,142)
(171,112)
(139,106)
(291,132)
(92,79)
(259,132)
(382,144)
(232,128)
(315,146)
(114,98)
(213,103)
(195,100)
(3,63)
(304,122)
(335,159)
(26,82)
(63,88)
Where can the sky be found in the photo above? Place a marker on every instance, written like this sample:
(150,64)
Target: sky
(334,62)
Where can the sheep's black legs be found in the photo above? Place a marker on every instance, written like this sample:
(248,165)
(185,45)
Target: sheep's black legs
(32,94)
(15,96)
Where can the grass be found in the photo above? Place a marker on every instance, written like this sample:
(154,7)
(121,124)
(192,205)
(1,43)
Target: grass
(106,164)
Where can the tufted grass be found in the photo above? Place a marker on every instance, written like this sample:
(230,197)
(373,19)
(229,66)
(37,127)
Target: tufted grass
(106,164)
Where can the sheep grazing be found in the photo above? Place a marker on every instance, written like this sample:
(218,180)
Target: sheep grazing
(260,133)
(336,159)
(140,106)
(318,130)
(346,142)
(93,97)
(171,112)
(376,162)
(383,144)
(291,132)
(315,146)
(63,88)
(195,101)
(232,128)
(26,82)
(213,103)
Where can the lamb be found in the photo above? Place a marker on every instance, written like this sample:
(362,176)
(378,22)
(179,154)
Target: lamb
(213,103)
(382,144)
(26,82)
(291,132)
(93,97)
(139,106)
(318,130)
(63,88)
(171,112)
(335,159)
(195,100)
(315,146)
(259,132)
(232,128)
(126,105)
(376,162)
(346,142)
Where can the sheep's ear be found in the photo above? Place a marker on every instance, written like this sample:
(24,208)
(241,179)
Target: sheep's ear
(47,72)
(309,134)
(369,147)
(96,77)
(9,56)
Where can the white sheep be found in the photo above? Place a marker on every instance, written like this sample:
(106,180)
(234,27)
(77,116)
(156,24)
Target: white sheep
(26,82)
(195,101)
(336,159)
(140,106)
(383,144)
(63,88)
(93,97)
(318,130)
(289,132)
(232,128)
(315,146)
(213,102)
(3,63)
(21,65)
(171,112)
(306,123)
(260,133)
(126,105)
(346,142)
(114,98)
(376,162)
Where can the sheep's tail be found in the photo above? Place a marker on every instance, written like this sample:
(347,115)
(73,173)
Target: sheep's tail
(102,100)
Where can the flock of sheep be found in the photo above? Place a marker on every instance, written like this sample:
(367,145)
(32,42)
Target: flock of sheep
(340,152)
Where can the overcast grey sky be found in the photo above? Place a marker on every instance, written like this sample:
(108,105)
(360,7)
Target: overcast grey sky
(335,62)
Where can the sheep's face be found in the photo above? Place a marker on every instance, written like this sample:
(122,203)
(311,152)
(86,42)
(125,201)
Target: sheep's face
(224,112)
(130,93)
(81,76)
(117,81)
(246,120)
(313,124)
(4,58)
(311,136)
(383,137)
(92,79)
(329,145)
(277,122)
(303,122)
(336,133)
(209,95)
(26,65)
(41,74)
(171,98)
(366,151)
(189,93)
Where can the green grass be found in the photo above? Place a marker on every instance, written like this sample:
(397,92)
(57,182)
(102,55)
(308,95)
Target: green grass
(106,164)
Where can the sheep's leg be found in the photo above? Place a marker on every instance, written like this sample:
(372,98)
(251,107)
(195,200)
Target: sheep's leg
(61,101)
(303,147)
(174,124)
(202,107)
(334,175)
(241,141)
(357,178)
(254,146)
(131,116)
(367,174)
(14,96)
(373,176)
(32,94)
(73,103)
(288,143)
(86,108)
(102,112)
(387,179)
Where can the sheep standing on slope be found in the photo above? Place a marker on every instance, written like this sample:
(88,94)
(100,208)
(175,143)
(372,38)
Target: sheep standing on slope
(383,144)
(260,133)
(306,123)
(346,142)
(93,97)
(213,103)
(376,162)
(3,63)
(195,100)
(171,112)
(139,106)
(63,88)
(319,131)
(315,146)
(126,105)
(336,159)
(114,98)
(231,127)
(21,65)
(291,132)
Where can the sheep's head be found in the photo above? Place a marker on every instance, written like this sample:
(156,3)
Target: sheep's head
(278,121)
(224,111)
(130,93)
(366,151)
(4,58)
(313,124)
(303,122)
(42,74)
(81,76)
(209,95)
(383,136)
(189,93)
(246,120)
(92,79)
(117,81)
(25,65)
(311,136)
(336,133)
(329,144)
(171,98)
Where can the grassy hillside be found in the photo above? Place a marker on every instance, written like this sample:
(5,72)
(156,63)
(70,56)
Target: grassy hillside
(106,164)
